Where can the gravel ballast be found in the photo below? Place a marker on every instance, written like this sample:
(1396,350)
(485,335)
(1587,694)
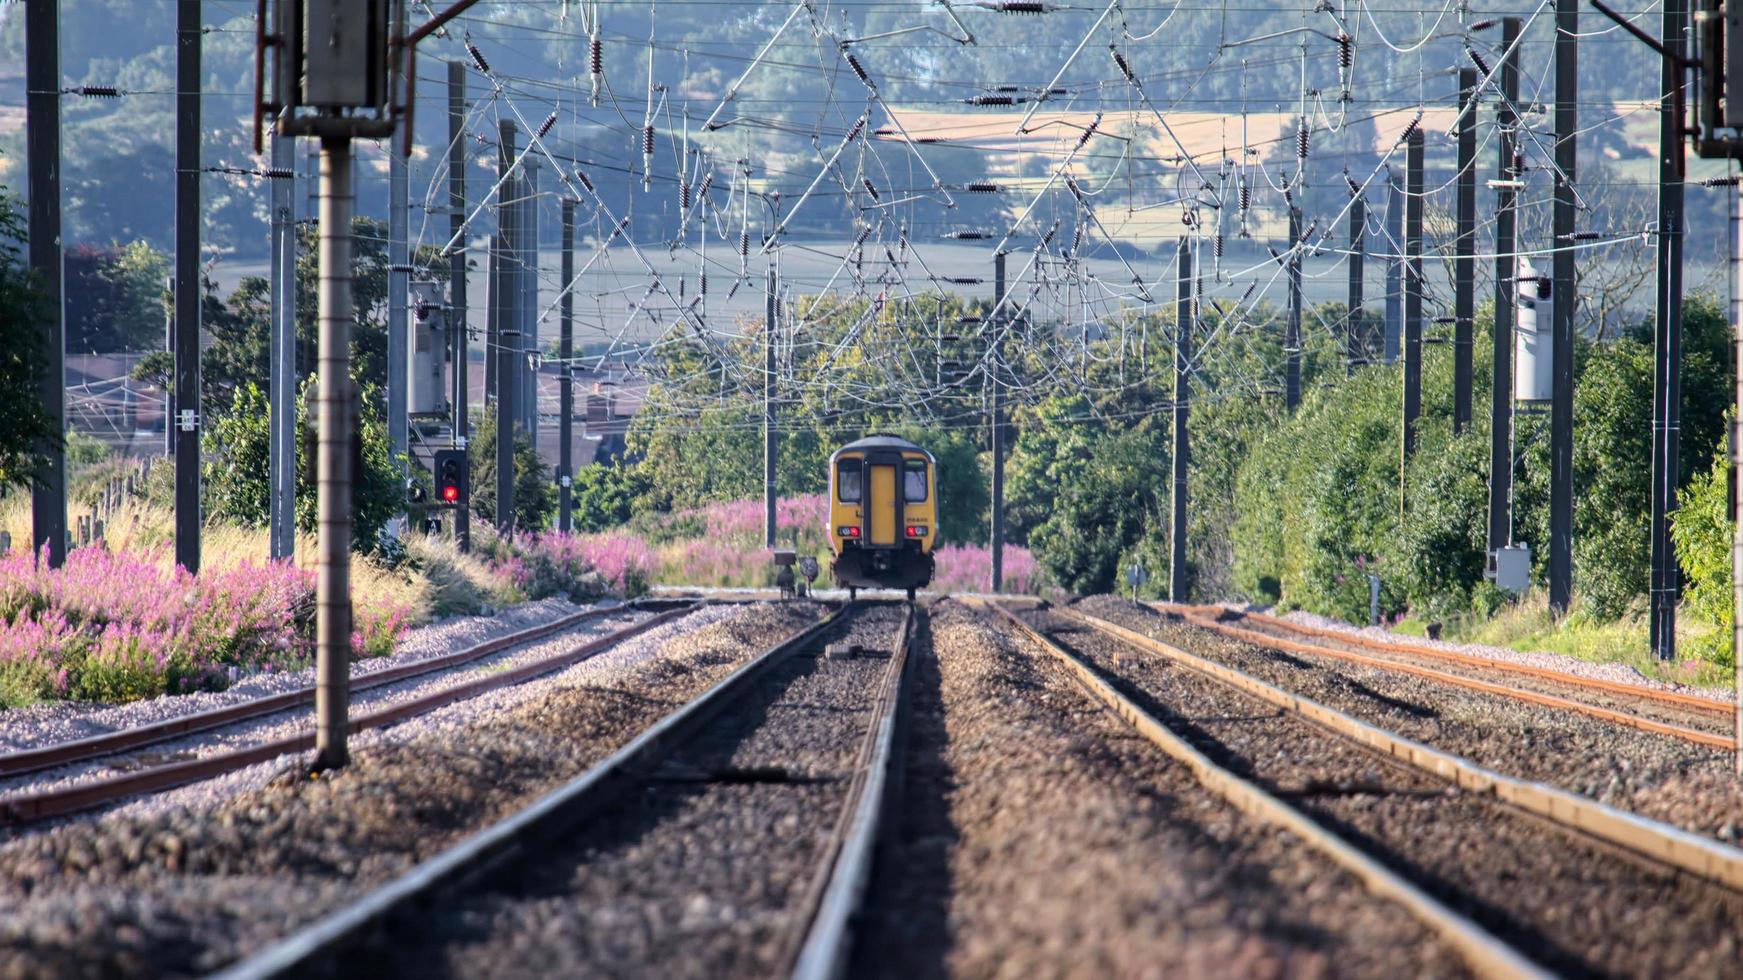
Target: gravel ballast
(1657,776)
(1039,837)
(185,884)
(1571,904)
(702,869)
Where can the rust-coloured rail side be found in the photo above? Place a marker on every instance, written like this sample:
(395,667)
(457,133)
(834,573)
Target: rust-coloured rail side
(1696,736)
(1678,699)
(25,809)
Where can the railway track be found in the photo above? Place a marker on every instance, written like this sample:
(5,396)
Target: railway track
(136,777)
(733,837)
(1519,876)
(1690,718)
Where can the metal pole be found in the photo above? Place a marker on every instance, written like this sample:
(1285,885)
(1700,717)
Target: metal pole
(1464,254)
(528,274)
(1501,392)
(187,298)
(1356,341)
(282,504)
(995,379)
(1183,324)
(1561,418)
(1292,327)
(337,424)
(1667,336)
(48,493)
(504,303)
(1394,267)
(169,346)
(398,287)
(771,317)
(1412,297)
(457,308)
(566,382)
(1737,459)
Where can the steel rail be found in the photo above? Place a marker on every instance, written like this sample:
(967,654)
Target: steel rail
(836,894)
(1694,735)
(518,834)
(1486,955)
(1691,702)
(25,761)
(1660,842)
(34,807)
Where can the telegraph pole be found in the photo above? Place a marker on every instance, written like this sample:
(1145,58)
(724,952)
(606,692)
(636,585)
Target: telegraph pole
(504,293)
(1667,334)
(187,294)
(1356,342)
(1464,254)
(457,288)
(998,423)
(1183,324)
(1292,327)
(1412,297)
(282,504)
(1561,419)
(771,315)
(1501,391)
(48,492)
(566,379)
(398,287)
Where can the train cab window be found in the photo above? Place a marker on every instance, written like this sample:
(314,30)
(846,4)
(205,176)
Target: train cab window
(914,481)
(847,481)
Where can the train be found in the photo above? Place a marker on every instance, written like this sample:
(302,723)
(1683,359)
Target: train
(883,514)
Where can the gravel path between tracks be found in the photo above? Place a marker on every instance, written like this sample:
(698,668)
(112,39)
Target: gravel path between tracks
(702,871)
(1573,905)
(182,888)
(1039,837)
(62,721)
(295,721)
(1656,776)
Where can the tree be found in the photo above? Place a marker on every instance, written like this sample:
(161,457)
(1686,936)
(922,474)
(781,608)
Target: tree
(534,493)
(114,298)
(604,495)
(1101,514)
(24,309)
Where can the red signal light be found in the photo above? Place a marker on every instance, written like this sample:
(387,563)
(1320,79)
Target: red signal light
(848,531)
(916,532)
(450,493)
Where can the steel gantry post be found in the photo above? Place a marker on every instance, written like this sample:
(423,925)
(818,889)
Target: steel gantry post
(771,317)
(336,424)
(1667,335)
(1736,440)
(1412,298)
(995,381)
(48,491)
(1292,325)
(566,376)
(1178,572)
(188,287)
(1394,236)
(282,416)
(1355,336)
(1561,419)
(398,287)
(1464,252)
(504,303)
(1501,391)
(528,275)
(457,308)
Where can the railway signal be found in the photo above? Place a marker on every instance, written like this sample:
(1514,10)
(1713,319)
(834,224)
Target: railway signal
(450,467)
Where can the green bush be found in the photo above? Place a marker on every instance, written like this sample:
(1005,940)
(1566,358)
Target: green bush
(1701,531)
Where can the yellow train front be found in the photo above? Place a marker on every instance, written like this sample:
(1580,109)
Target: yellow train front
(883,514)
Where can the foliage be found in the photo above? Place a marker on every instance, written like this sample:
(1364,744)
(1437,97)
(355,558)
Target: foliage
(1101,511)
(237,447)
(23,309)
(534,494)
(1701,530)
(604,495)
(114,297)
